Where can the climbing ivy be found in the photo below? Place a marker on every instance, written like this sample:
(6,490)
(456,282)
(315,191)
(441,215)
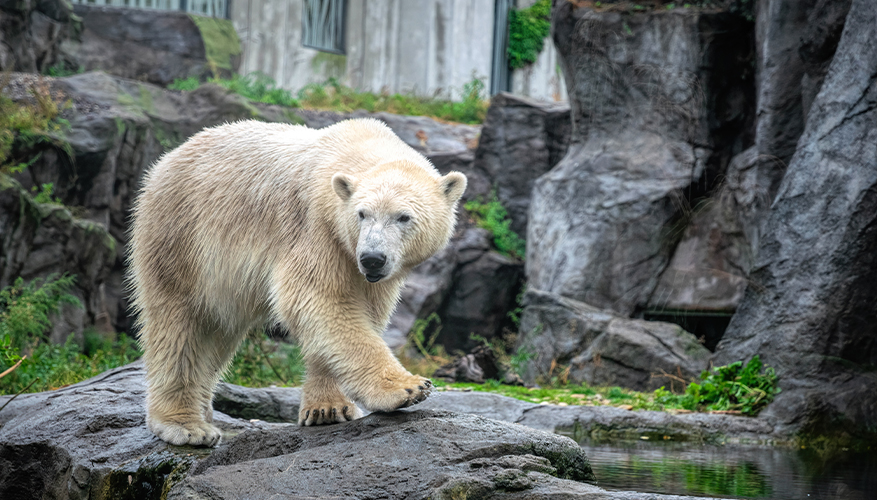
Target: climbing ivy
(527,31)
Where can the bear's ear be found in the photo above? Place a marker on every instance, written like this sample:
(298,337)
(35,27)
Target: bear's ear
(453,186)
(343,185)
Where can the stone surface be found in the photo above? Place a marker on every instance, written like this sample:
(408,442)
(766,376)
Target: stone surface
(812,315)
(37,240)
(601,348)
(656,116)
(156,46)
(32,33)
(521,139)
(90,440)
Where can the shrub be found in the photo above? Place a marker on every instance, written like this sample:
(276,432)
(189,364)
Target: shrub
(262,361)
(734,387)
(25,308)
(494,217)
(527,31)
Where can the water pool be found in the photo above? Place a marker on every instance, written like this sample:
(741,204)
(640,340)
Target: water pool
(733,471)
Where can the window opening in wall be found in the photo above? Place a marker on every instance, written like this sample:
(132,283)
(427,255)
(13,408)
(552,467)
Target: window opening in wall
(323,25)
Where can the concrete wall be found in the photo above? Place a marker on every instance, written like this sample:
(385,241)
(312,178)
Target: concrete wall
(427,47)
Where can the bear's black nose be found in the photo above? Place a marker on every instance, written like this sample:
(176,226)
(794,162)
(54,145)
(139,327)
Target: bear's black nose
(373,261)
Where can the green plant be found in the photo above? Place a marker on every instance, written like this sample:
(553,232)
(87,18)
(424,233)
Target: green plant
(25,308)
(45,194)
(51,366)
(185,84)
(60,70)
(28,122)
(337,97)
(734,387)
(258,87)
(262,361)
(494,217)
(527,31)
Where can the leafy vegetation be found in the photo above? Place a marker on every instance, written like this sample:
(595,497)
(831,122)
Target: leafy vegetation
(333,96)
(734,387)
(25,309)
(494,217)
(45,194)
(262,362)
(527,31)
(422,356)
(26,123)
(51,366)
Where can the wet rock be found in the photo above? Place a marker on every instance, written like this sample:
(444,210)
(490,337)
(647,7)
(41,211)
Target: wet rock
(601,348)
(377,456)
(604,222)
(90,440)
(811,315)
(521,139)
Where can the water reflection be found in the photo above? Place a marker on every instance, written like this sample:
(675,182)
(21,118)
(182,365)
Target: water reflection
(733,471)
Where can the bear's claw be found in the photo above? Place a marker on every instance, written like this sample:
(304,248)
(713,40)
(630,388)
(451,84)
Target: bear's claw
(327,413)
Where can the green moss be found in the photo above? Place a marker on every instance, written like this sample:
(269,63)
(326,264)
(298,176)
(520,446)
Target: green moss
(221,41)
(329,65)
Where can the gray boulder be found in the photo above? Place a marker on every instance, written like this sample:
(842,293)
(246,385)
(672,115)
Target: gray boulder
(521,139)
(151,45)
(652,102)
(601,348)
(812,315)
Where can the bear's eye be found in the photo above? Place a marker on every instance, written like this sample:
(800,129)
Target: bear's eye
(361,215)
(404,218)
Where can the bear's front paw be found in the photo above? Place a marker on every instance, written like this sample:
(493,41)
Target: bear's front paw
(192,433)
(400,393)
(327,412)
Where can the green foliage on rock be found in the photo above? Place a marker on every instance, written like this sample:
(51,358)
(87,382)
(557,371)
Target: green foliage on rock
(333,96)
(734,387)
(494,217)
(527,31)
(26,123)
(221,42)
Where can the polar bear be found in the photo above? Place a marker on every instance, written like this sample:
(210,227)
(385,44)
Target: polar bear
(252,223)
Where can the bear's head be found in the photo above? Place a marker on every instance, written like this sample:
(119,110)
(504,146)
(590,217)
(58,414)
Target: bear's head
(396,215)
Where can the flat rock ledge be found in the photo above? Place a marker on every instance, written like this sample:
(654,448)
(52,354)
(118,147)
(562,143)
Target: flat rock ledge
(89,440)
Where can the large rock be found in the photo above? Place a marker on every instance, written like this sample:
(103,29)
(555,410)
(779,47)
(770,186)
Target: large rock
(156,46)
(90,440)
(32,33)
(601,348)
(521,139)
(656,116)
(812,315)
(37,240)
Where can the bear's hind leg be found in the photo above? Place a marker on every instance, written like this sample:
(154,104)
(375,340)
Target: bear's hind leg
(183,364)
(322,401)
